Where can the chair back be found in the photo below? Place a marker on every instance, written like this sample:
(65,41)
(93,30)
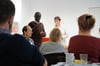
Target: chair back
(54,58)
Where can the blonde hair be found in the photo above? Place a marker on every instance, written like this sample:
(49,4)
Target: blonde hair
(55,35)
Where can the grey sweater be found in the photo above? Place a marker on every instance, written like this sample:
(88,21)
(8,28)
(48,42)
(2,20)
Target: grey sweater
(52,47)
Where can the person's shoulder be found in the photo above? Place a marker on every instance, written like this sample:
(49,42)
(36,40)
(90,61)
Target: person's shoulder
(45,43)
(32,22)
(85,37)
(40,23)
(5,36)
(19,38)
(74,36)
(95,38)
(59,44)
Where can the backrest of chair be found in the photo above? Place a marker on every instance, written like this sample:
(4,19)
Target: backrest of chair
(54,58)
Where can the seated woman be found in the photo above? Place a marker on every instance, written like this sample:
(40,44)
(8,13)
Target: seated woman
(84,42)
(53,50)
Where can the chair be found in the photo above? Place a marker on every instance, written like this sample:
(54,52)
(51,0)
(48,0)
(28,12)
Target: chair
(54,58)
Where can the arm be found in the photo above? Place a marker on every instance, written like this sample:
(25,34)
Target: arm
(45,64)
(42,33)
(64,34)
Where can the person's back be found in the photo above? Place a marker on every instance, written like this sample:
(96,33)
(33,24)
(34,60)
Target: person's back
(52,50)
(54,44)
(84,42)
(51,47)
(85,45)
(15,50)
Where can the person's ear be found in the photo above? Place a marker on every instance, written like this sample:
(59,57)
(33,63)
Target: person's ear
(11,20)
(24,32)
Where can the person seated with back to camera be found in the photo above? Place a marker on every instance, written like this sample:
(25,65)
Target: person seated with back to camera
(15,50)
(53,46)
(84,42)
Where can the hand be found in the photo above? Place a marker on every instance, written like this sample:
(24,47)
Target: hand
(45,64)
(41,33)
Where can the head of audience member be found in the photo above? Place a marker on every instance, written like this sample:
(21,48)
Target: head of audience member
(55,35)
(7,12)
(57,20)
(27,31)
(37,16)
(86,22)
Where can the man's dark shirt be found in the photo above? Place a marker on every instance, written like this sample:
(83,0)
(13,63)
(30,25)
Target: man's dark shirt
(37,28)
(15,50)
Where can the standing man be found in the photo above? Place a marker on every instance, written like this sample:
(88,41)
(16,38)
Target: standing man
(15,50)
(37,29)
(57,21)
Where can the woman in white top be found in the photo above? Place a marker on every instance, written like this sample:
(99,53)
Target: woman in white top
(57,21)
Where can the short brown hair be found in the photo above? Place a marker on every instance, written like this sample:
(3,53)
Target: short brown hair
(7,9)
(57,17)
(86,22)
(55,35)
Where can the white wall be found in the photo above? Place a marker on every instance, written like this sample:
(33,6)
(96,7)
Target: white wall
(95,11)
(68,10)
(18,6)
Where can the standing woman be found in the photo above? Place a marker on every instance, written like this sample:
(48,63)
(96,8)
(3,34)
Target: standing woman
(37,29)
(57,21)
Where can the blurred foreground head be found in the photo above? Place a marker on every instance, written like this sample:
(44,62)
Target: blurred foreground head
(7,12)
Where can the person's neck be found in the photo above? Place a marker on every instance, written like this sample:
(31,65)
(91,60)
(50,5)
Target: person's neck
(37,20)
(57,25)
(86,33)
(4,26)
(26,37)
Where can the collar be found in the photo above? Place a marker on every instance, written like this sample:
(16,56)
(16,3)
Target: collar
(4,31)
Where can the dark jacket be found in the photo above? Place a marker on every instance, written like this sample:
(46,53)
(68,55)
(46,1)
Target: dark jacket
(15,50)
